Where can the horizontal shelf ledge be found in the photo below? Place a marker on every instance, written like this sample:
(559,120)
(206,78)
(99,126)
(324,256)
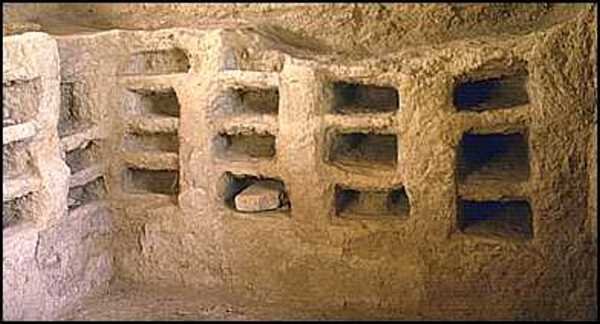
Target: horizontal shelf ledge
(380,121)
(492,190)
(496,121)
(151,125)
(86,176)
(18,132)
(255,79)
(152,160)
(90,208)
(245,124)
(77,140)
(151,82)
(145,199)
(267,216)
(360,179)
(16,187)
(256,167)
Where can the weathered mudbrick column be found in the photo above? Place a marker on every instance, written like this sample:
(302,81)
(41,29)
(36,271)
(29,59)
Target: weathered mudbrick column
(50,257)
(302,99)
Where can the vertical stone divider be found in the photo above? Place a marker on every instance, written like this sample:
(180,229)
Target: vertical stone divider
(562,111)
(301,108)
(52,170)
(558,144)
(26,57)
(428,141)
(118,129)
(195,96)
(197,175)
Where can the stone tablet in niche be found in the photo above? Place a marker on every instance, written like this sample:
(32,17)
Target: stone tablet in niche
(260,196)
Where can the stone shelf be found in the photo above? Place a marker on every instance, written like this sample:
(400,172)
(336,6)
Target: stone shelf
(237,78)
(254,166)
(372,178)
(19,186)
(18,132)
(81,139)
(492,190)
(159,124)
(247,123)
(381,121)
(86,175)
(151,82)
(152,160)
(497,121)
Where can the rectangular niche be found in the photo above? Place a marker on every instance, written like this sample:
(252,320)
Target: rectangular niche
(154,102)
(253,194)
(501,157)
(352,98)
(249,100)
(496,219)
(142,181)
(154,142)
(493,93)
(16,159)
(371,204)
(169,61)
(241,146)
(72,118)
(17,210)
(20,100)
(364,150)
(92,191)
(83,157)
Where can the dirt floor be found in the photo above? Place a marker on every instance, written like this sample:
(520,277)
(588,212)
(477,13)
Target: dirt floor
(129,302)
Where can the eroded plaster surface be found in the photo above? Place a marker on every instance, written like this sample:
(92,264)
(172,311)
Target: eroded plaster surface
(450,177)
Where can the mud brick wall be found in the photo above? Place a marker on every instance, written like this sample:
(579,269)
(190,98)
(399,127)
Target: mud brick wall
(427,182)
(376,157)
(50,257)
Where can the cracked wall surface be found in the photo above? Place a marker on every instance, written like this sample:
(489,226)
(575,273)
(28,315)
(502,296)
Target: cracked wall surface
(51,257)
(385,188)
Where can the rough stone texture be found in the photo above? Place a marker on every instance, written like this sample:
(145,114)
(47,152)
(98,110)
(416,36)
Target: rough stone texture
(50,259)
(261,196)
(179,235)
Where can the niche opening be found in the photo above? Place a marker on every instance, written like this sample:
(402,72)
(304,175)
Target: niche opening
(161,142)
(157,103)
(501,157)
(493,93)
(245,145)
(352,98)
(371,204)
(20,100)
(17,210)
(16,159)
(500,219)
(253,194)
(254,101)
(142,181)
(364,150)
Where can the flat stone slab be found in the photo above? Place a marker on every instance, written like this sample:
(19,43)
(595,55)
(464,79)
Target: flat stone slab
(260,196)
